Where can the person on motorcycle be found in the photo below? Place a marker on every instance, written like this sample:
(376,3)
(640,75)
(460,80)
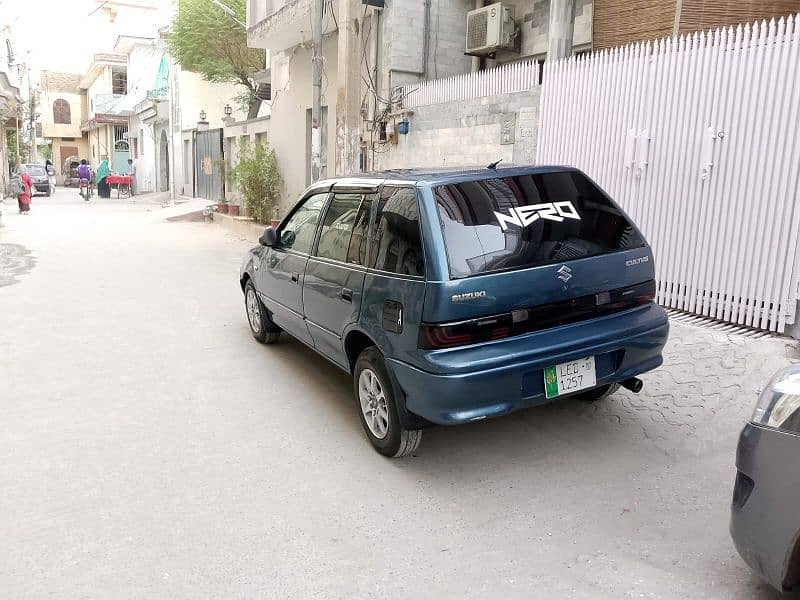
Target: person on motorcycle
(84,172)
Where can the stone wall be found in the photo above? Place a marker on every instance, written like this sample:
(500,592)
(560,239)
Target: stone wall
(467,133)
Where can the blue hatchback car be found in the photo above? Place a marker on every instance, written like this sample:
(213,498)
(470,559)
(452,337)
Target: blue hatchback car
(454,296)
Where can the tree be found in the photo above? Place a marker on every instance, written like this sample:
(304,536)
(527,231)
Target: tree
(206,41)
(258,178)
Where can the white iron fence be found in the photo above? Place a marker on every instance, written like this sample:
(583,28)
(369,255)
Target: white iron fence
(506,79)
(697,137)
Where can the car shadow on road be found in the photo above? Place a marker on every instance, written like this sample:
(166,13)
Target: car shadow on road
(569,426)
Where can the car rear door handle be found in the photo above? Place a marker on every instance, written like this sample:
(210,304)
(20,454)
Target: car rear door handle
(346,294)
(295,277)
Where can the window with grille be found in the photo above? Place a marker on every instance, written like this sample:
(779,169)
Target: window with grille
(119,80)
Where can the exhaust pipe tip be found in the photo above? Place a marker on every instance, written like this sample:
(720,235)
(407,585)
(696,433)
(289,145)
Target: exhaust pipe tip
(633,384)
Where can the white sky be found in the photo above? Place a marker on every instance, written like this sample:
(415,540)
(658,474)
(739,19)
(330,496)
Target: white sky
(61,34)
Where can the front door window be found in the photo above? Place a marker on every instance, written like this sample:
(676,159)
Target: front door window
(297,233)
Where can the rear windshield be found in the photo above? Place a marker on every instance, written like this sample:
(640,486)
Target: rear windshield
(35,170)
(529,220)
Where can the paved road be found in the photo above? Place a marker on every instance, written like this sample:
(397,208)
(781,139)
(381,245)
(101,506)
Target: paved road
(152,449)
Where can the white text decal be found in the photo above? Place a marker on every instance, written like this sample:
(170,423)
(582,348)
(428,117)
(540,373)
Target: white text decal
(525,215)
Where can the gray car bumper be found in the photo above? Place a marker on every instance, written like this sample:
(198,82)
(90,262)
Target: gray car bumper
(765,520)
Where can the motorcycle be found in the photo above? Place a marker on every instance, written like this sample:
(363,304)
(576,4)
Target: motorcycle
(86,190)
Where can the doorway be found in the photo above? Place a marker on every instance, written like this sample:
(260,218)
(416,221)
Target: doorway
(163,166)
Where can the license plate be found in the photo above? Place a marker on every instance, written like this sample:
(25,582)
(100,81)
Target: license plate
(569,377)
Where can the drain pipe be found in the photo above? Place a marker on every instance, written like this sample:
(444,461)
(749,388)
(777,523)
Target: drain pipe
(476,60)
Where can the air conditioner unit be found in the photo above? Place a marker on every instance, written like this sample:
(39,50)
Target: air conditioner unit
(491,28)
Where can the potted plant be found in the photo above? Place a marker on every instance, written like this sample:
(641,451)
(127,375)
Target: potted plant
(258,179)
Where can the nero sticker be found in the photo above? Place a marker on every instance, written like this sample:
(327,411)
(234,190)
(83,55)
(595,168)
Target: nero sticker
(522,216)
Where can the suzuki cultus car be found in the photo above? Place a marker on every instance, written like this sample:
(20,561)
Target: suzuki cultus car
(457,296)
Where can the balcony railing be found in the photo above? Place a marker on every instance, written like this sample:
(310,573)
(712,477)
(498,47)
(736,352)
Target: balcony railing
(258,10)
(280,24)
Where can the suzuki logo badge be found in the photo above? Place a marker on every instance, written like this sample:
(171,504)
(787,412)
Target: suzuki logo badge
(564,273)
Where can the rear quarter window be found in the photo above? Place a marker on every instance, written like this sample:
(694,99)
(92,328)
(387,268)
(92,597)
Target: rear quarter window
(507,223)
(396,245)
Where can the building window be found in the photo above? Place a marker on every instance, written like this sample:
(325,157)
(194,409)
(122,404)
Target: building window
(61,112)
(119,80)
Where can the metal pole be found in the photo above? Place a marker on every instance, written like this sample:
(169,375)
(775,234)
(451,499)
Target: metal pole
(33,158)
(16,119)
(316,103)
(171,93)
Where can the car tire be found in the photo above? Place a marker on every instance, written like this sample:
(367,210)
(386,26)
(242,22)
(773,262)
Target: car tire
(261,325)
(376,400)
(47,193)
(598,393)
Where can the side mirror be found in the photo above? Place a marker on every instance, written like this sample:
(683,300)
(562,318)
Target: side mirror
(269,237)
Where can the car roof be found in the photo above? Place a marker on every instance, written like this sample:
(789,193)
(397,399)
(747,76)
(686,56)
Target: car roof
(442,176)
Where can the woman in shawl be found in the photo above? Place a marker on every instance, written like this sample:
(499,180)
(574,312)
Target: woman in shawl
(103,189)
(24,199)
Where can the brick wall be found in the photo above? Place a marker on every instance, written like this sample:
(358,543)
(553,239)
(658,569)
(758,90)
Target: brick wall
(467,133)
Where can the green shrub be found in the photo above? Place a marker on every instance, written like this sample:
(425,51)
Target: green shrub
(256,173)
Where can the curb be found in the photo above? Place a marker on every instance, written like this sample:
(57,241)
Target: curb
(244,227)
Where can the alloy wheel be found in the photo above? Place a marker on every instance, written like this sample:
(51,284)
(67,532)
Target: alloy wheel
(373,403)
(253,311)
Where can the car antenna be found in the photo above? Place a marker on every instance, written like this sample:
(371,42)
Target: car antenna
(493,165)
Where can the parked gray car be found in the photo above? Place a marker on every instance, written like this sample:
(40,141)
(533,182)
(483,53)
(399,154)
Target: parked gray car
(765,514)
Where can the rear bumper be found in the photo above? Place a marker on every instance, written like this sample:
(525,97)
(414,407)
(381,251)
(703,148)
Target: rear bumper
(500,377)
(41,187)
(765,522)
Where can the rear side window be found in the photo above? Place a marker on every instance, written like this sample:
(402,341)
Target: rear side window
(529,220)
(397,242)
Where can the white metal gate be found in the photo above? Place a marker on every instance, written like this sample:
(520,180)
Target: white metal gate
(697,138)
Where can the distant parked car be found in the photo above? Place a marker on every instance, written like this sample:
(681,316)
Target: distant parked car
(765,513)
(457,296)
(41,181)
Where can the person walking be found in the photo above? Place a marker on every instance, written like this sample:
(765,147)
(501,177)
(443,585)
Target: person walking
(103,189)
(132,173)
(24,199)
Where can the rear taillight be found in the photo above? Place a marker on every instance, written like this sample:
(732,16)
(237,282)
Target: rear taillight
(517,322)
(465,332)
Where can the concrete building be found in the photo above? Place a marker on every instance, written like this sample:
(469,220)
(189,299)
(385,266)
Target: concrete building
(62,108)
(106,87)
(147,110)
(199,109)
(10,105)
(369,53)
(480,104)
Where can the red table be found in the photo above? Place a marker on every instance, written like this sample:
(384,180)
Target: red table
(120,180)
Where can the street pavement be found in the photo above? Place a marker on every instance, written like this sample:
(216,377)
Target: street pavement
(152,449)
